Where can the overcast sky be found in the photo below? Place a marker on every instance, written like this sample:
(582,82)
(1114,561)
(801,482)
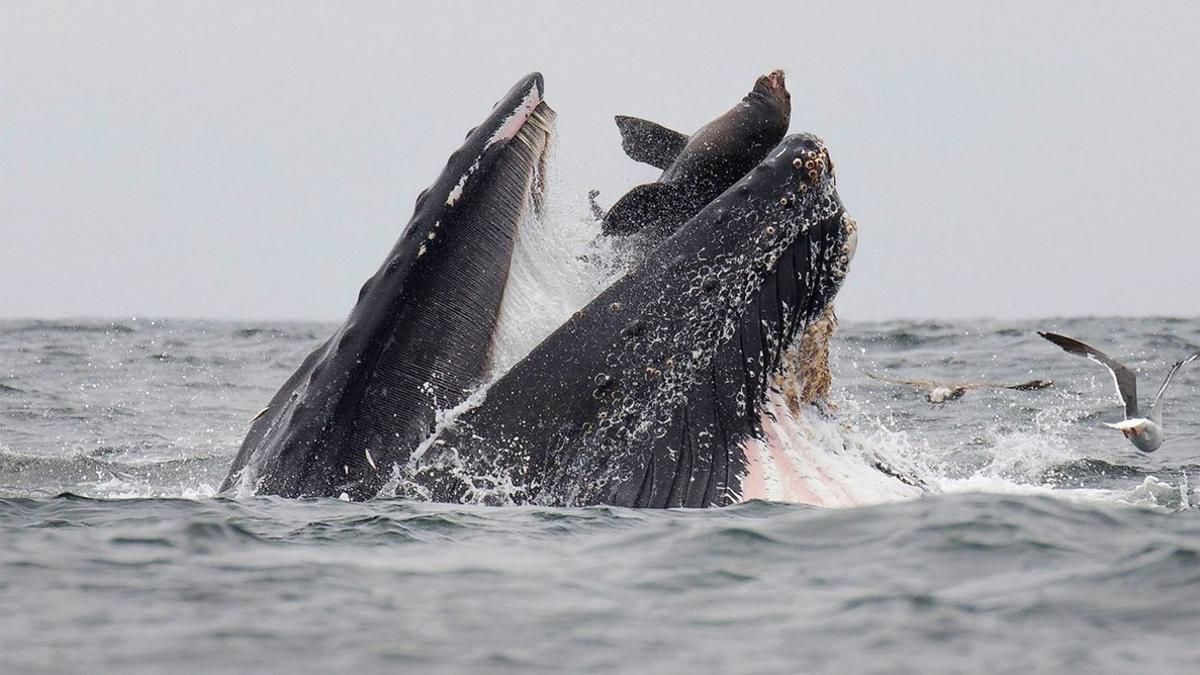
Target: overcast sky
(258,160)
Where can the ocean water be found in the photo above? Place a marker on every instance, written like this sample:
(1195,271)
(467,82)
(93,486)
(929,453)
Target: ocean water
(1043,542)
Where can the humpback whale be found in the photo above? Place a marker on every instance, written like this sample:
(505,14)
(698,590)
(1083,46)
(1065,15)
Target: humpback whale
(660,392)
(418,339)
(697,169)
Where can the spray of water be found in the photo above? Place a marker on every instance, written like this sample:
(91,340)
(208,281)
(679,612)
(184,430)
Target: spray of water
(559,264)
(1027,459)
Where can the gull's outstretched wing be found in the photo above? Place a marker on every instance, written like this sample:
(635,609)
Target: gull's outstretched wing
(1124,378)
(1024,386)
(1155,410)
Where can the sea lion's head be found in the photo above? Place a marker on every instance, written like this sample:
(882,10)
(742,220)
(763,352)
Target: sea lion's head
(769,108)
(771,89)
(772,81)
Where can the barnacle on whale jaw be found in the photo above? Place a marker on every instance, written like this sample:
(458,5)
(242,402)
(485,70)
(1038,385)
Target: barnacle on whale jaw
(815,163)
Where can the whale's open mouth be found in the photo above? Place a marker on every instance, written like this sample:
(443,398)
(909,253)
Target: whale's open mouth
(651,395)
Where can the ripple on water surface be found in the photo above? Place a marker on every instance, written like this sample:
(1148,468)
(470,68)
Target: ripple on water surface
(944,583)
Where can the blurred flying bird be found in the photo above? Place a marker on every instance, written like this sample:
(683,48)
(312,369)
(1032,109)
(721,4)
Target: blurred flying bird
(940,392)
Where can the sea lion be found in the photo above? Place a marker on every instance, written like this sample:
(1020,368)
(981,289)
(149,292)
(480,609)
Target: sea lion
(698,168)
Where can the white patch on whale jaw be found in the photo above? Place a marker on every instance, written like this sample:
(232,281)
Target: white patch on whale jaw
(513,123)
(456,193)
(507,129)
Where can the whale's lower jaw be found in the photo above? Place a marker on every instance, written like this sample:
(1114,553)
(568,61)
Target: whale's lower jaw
(419,337)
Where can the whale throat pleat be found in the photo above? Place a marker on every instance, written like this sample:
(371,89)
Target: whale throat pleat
(723,408)
(418,339)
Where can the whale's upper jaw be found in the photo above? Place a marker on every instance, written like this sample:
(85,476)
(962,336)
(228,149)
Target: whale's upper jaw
(775,242)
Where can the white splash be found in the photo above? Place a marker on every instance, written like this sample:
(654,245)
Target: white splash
(1031,461)
(558,266)
(808,459)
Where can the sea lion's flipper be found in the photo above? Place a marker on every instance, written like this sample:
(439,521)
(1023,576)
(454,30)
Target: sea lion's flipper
(650,143)
(663,205)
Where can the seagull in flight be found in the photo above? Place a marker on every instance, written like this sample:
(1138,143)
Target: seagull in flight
(1146,433)
(940,392)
